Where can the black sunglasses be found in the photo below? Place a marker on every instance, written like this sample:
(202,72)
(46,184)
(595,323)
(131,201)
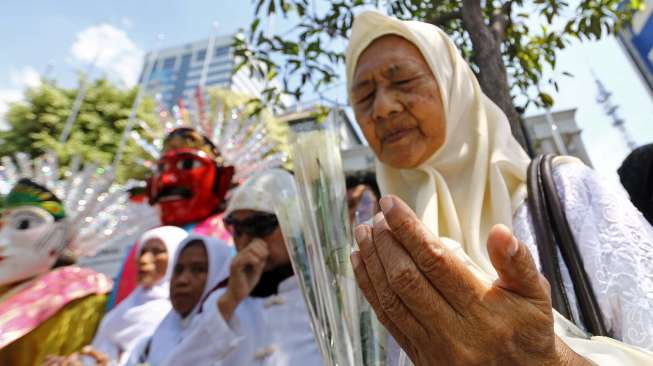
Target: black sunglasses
(257,226)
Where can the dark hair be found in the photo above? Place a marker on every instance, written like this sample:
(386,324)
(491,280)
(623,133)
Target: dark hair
(193,243)
(187,133)
(365,177)
(636,175)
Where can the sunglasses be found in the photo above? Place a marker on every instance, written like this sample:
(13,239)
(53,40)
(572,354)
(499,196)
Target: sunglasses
(257,226)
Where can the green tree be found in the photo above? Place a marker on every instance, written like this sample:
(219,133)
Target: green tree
(37,123)
(499,39)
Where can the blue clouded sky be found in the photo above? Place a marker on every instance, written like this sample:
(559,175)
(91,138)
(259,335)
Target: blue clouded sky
(62,37)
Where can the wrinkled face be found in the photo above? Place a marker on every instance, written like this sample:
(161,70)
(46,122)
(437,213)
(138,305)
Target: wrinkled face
(397,103)
(247,225)
(30,241)
(152,263)
(183,186)
(189,278)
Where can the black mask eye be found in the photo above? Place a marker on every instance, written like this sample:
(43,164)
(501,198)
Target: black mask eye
(187,164)
(26,221)
(23,224)
(161,167)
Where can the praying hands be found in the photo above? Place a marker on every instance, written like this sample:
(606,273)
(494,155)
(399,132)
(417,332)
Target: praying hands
(439,312)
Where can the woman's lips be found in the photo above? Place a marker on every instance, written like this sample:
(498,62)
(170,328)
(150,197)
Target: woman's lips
(143,273)
(180,296)
(397,135)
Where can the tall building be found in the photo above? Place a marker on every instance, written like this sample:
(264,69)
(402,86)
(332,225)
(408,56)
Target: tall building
(176,71)
(556,133)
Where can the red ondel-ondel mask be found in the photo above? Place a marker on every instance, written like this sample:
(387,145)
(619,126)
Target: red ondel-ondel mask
(189,184)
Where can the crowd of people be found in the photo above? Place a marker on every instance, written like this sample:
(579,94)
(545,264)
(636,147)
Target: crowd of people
(450,255)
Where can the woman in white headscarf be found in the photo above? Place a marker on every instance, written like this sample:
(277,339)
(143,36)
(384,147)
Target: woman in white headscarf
(446,150)
(200,264)
(141,312)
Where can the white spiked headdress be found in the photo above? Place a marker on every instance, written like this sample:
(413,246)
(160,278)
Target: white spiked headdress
(243,141)
(98,211)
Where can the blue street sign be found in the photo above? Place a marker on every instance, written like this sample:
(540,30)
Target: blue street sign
(637,39)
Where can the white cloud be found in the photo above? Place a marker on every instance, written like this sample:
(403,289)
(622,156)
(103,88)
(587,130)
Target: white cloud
(25,77)
(7,96)
(112,50)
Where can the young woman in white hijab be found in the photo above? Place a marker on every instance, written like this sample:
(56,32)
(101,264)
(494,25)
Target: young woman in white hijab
(200,264)
(139,314)
(446,150)
(260,317)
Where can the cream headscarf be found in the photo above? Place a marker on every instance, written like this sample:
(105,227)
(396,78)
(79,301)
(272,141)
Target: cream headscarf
(477,177)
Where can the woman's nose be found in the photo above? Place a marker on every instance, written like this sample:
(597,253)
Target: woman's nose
(183,279)
(146,258)
(385,104)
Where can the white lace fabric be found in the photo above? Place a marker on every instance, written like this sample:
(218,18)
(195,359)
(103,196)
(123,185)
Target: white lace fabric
(616,245)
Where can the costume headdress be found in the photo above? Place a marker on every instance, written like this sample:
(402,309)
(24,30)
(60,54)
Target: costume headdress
(229,135)
(95,210)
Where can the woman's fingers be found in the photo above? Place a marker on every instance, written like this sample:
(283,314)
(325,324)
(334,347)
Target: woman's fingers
(388,301)
(100,357)
(515,266)
(366,287)
(406,280)
(449,275)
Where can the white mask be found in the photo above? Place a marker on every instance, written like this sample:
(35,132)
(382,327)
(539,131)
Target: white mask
(30,242)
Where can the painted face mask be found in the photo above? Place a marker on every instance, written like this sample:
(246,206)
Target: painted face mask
(189,184)
(32,232)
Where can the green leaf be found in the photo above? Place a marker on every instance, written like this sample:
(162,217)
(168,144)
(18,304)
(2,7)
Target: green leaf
(546,99)
(255,25)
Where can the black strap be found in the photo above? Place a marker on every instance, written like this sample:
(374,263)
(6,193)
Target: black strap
(587,303)
(545,239)
(550,221)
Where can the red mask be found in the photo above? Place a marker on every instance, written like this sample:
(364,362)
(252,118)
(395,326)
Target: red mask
(188,186)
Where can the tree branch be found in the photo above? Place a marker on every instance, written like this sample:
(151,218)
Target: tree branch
(492,71)
(499,21)
(446,17)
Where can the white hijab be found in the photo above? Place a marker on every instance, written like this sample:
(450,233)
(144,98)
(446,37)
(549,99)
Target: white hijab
(173,327)
(477,177)
(139,314)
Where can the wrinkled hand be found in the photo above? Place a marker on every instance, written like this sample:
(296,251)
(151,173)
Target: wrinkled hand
(244,273)
(439,312)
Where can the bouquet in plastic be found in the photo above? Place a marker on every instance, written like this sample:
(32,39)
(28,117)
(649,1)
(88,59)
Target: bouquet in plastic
(349,332)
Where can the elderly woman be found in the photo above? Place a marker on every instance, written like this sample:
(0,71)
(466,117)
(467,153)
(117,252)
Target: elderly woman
(451,285)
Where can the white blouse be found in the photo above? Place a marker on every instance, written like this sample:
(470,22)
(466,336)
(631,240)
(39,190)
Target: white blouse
(616,244)
(271,331)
